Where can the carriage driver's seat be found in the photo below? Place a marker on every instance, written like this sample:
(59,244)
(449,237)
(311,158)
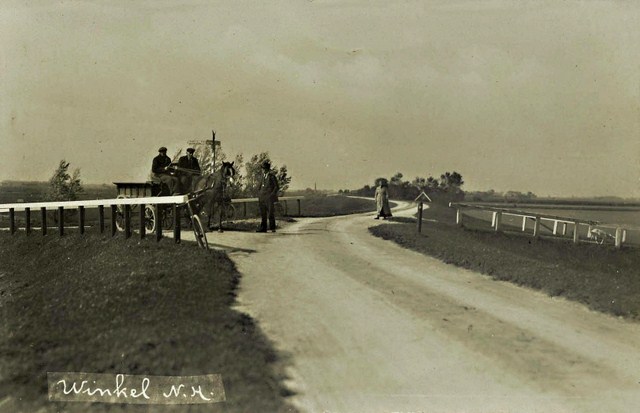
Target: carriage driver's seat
(163,189)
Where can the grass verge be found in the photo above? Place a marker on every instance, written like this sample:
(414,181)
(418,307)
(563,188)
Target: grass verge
(109,305)
(603,278)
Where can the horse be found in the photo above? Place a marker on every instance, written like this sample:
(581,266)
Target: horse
(210,191)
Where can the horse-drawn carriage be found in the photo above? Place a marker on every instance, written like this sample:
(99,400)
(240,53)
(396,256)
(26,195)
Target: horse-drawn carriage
(205,195)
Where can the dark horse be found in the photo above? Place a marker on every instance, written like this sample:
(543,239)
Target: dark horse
(210,192)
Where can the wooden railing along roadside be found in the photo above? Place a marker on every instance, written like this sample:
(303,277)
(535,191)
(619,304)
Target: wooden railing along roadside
(563,222)
(175,202)
(282,200)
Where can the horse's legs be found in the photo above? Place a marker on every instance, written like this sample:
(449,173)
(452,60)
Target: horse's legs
(222,213)
(210,214)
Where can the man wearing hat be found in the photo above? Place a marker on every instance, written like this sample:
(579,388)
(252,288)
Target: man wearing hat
(267,197)
(160,171)
(189,166)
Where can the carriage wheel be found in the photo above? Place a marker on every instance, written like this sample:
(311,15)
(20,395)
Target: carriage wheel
(229,212)
(167,218)
(198,230)
(150,218)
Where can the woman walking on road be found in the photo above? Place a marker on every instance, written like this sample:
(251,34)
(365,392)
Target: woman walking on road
(382,200)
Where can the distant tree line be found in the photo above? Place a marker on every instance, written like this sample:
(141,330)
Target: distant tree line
(493,196)
(446,188)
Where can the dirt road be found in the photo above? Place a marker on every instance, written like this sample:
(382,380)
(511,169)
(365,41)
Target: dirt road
(371,327)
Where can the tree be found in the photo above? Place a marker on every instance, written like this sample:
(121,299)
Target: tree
(396,179)
(64,187)
(432,183)
(451,181)
(253,169)
(283,179)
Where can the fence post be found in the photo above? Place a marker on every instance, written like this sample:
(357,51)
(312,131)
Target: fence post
(142,223)
(498,221)
(564,228)
(618,237)
(101,218)
(176,223)
(61,221)
(43,216)
(555,227)
(12,220)
(114,216)
(127,221)
(81,219)
(524,223)
(299,210)
(536,227)
(420,206)
(576,236)
(27,217)
(458,217)
(158,222)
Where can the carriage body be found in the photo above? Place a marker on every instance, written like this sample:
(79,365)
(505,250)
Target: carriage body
(197,203)
(142,190)
(137,189)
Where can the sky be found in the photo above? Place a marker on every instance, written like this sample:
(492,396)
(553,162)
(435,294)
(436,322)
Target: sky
(540,96)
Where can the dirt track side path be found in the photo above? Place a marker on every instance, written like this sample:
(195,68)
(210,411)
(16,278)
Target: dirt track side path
(372,327)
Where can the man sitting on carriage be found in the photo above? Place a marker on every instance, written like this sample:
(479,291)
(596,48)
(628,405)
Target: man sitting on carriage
(162,173)
(188,166)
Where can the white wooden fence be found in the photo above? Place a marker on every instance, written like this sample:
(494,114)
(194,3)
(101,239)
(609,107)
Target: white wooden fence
(120,208)
(126,204)
(559,228)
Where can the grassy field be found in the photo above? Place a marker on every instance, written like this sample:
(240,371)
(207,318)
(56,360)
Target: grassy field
(332,205)
(601,277)
(108,305)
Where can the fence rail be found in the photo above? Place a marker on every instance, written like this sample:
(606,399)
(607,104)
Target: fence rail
(176,202)
(282,200)
(95,203)
(560,224)
(119,207)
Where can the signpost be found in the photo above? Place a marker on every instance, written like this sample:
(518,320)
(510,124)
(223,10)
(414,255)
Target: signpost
(213,142)
(420,200)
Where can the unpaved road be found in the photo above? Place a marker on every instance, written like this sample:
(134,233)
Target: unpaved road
(368,326)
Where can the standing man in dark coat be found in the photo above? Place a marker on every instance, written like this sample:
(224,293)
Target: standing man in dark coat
(160,171)
(267,197)
(190,166)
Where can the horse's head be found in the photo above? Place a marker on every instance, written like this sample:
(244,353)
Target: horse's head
(227,171)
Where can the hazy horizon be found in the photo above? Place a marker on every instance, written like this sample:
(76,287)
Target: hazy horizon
(539,96)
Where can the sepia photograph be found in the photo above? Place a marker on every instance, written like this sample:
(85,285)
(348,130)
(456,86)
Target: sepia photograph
(320,206)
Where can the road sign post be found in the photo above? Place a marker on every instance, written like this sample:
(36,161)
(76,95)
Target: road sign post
(213,142)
